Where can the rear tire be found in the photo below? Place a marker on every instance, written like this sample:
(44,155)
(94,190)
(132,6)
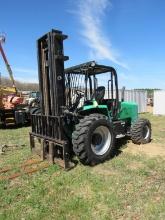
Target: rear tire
(141,131)
(93,139)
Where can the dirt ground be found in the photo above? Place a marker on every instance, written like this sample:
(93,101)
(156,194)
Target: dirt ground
(150,149)
(149,109)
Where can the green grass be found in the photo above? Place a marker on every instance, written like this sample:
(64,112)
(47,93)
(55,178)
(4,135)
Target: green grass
(127,187)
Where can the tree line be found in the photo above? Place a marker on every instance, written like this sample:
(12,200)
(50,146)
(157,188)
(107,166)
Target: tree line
(22,86)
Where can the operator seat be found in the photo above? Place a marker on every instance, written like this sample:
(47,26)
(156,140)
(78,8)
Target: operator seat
(99,94)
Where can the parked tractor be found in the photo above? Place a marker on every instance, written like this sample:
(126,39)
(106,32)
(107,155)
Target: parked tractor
(80,113)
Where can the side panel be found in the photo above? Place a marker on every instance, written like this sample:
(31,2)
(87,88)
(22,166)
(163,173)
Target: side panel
(128,110)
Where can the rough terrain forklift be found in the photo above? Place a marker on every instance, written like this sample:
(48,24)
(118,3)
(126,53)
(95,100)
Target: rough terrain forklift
(80,113)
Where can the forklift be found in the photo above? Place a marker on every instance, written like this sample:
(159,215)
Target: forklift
(80,111)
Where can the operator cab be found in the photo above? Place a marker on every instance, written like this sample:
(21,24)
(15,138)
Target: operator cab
(90,82)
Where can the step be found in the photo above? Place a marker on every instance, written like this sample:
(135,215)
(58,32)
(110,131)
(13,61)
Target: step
(9,124)
(10,120)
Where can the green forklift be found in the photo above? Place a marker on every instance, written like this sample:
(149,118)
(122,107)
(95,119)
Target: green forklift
(80,110)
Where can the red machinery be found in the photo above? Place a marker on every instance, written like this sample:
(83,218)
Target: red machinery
(11,109)
(10,102)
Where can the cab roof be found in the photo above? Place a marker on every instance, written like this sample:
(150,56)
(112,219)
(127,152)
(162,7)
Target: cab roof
(90,68)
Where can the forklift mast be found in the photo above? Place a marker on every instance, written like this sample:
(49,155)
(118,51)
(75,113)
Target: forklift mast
(47,127)
(51,72)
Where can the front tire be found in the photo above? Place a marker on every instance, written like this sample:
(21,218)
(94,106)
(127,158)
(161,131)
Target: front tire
(141,131)
(93,139)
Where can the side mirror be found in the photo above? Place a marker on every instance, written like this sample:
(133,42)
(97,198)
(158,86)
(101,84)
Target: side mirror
(122,93)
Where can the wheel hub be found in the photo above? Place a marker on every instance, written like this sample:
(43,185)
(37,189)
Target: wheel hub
(96,139)
(146,132)
(101,140)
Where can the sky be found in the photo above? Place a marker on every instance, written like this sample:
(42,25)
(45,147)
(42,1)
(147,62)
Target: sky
(126,34)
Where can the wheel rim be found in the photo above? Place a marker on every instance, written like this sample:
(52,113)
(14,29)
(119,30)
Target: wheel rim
(146,132)
(101,140)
